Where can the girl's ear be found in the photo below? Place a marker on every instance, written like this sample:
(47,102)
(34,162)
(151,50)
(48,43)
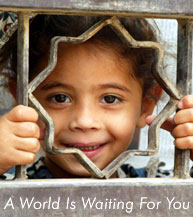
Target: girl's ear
(148,105)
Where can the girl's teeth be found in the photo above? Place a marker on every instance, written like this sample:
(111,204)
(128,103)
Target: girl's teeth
(85,148)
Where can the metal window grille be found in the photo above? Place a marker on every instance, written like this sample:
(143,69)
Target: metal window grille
(134,191)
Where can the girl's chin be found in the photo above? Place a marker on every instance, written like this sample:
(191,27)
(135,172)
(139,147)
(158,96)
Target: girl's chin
(78,170)
(70,166)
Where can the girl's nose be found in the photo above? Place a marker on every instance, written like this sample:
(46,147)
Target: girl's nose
(84,119)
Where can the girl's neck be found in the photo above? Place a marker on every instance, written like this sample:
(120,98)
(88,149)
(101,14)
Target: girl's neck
(58,172)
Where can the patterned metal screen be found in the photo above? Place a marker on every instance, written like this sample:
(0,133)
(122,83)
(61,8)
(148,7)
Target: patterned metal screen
(25,90)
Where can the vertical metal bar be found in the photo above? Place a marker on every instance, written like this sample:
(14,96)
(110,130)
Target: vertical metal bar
(184,83)
(22,71)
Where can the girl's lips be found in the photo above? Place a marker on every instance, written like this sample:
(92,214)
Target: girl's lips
(89,149)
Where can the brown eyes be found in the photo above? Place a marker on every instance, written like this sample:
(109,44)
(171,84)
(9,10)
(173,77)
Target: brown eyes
(110,99)
(60,98)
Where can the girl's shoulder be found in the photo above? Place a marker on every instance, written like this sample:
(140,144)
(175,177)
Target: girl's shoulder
(6,20)
(153,169)
(38,170)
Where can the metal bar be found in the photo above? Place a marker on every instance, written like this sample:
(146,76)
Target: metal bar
(183,71)
(58,198)
(148,8)
(184,82)
(22,71)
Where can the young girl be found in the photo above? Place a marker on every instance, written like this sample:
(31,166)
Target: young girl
(97,95)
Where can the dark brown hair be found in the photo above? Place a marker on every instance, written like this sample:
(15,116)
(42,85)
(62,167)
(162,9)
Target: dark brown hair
(44,27)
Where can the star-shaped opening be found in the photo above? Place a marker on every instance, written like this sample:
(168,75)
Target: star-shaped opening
(161,78)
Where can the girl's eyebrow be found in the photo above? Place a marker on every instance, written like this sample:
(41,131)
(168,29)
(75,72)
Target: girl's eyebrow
(56,84)
(51,85)
(115,86)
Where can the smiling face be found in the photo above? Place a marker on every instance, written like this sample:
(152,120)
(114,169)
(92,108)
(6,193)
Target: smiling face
(95,104)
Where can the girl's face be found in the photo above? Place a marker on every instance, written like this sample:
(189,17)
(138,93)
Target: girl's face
(95,104)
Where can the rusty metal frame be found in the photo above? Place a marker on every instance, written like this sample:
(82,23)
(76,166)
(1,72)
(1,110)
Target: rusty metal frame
(184,83)
(127,189)
(23,69)
(175,94)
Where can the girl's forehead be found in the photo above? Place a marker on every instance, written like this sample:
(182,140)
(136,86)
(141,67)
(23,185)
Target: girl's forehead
(89,64)
(88,49)
(95,52)
(80,71)
(92,58)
